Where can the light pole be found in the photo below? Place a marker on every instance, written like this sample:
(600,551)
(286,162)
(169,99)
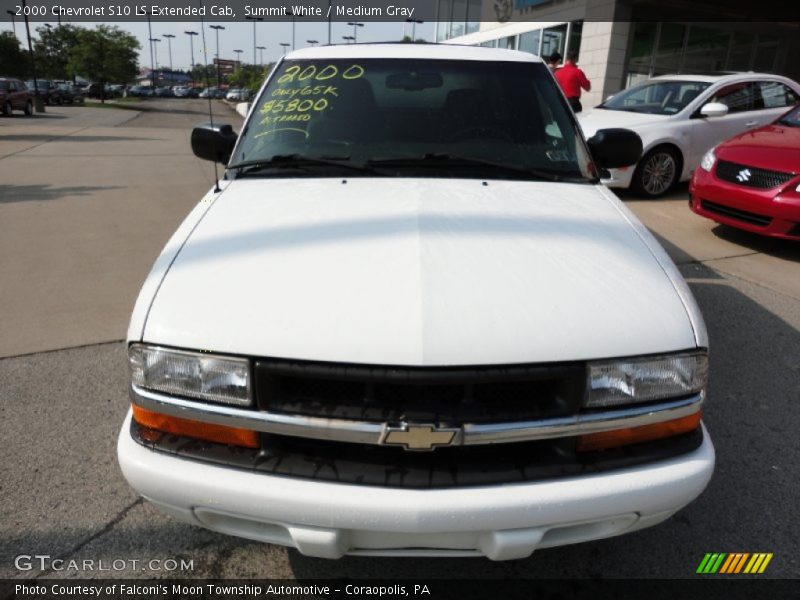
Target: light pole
(37,99)
(217,28)
(348,38)
(13,22)
(285,46)
(414,27)
(152,64)
(261,54)
(355,25)
(155,41)
(312,42)
(239,58)
(169,37)
(191,35)
(294,15)
(254,19)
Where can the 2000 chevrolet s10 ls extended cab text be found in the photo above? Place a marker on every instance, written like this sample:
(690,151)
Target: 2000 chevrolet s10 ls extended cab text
(412,321)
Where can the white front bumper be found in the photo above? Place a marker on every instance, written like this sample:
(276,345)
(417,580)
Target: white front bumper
(330,520)
(620,178)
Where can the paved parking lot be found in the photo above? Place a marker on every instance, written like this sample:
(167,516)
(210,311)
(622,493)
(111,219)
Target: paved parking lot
(88,196)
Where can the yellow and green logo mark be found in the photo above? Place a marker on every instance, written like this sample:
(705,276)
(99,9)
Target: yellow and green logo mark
(733,563)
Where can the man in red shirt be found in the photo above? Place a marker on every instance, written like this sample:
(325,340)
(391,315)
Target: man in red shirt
(572,79)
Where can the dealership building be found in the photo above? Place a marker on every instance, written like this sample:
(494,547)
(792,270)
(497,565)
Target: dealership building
(622,42)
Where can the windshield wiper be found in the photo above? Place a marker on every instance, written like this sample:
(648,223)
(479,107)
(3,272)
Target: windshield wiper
(297,161)
(447,160)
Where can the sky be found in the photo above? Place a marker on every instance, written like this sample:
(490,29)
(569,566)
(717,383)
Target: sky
(239,36)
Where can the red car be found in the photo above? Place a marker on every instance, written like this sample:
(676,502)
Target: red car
(752,181)
(15,96)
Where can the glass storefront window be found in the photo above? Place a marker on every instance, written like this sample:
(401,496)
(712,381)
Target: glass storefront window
(554,39)
(509,43)
(670,49)
(459,18)
(445,10)
(473,15)
(529,41)
(706,50)
(741,51)
(766,53)
(575,34)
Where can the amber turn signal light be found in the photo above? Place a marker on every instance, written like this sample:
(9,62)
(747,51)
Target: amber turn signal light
(634,435)
(195,429)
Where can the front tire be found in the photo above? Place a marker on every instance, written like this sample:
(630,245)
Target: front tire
(29,109)
(657,172)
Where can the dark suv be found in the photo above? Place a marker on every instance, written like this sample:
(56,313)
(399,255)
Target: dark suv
(14,95)
(49,92)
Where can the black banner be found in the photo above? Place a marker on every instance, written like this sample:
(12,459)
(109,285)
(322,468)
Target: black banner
(707,588)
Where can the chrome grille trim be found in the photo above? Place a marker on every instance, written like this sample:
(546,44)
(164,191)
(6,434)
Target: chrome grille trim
(364,432)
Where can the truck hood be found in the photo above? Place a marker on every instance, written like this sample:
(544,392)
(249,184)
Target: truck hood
(417,272)
(600,118)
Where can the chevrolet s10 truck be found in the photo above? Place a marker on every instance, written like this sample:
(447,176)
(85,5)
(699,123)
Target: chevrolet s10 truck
(411,321)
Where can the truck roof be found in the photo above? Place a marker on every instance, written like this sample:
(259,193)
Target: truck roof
(413,51)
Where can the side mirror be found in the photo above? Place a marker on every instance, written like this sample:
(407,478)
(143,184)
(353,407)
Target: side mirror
(714,109)
(213,142)
(614,148)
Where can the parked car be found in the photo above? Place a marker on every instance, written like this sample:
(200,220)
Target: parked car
(15,95)
(97,91)
(181,91)
(211,92)
(164,92)
(752,181)
(140,91)
(238,94)
(431,330)
(194,92)
(50,93)
(680,117)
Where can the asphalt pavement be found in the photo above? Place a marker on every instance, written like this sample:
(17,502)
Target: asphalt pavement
(88,196)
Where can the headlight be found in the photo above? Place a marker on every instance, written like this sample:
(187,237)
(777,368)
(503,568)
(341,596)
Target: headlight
(709,158)
(632,381)
(194,374)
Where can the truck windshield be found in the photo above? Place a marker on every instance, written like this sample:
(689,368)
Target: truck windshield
(403,117)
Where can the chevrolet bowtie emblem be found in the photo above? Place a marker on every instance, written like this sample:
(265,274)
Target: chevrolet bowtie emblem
(419,437)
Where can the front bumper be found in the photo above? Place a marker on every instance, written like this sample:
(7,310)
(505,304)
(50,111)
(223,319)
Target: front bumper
(739,204)
(331,519)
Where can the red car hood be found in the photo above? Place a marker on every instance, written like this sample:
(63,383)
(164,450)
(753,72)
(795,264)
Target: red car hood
(774,147)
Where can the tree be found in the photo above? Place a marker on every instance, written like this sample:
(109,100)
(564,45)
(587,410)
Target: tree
(53,50)
(13,60)
(104,55)
(249,76)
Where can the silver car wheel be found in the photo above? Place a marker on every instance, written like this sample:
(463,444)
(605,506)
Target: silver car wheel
(658,173)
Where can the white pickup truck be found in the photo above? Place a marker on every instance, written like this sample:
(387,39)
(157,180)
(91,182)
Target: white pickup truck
(411,321)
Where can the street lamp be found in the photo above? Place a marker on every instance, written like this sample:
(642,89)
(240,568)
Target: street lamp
(355,25)
(191,35)
(261,54)
(294,16)
(285,46)
(155,41)
(239,57)
(414,27)
(254,19)
(349,38)
(217,28)
(13,22)
(37,99)
(312,42)
(169,37)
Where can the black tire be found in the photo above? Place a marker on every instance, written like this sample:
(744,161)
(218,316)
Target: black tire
(29,109)
(657,172)
(7,109)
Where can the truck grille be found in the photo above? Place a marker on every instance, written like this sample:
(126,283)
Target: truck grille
(751,176)
(431,395)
